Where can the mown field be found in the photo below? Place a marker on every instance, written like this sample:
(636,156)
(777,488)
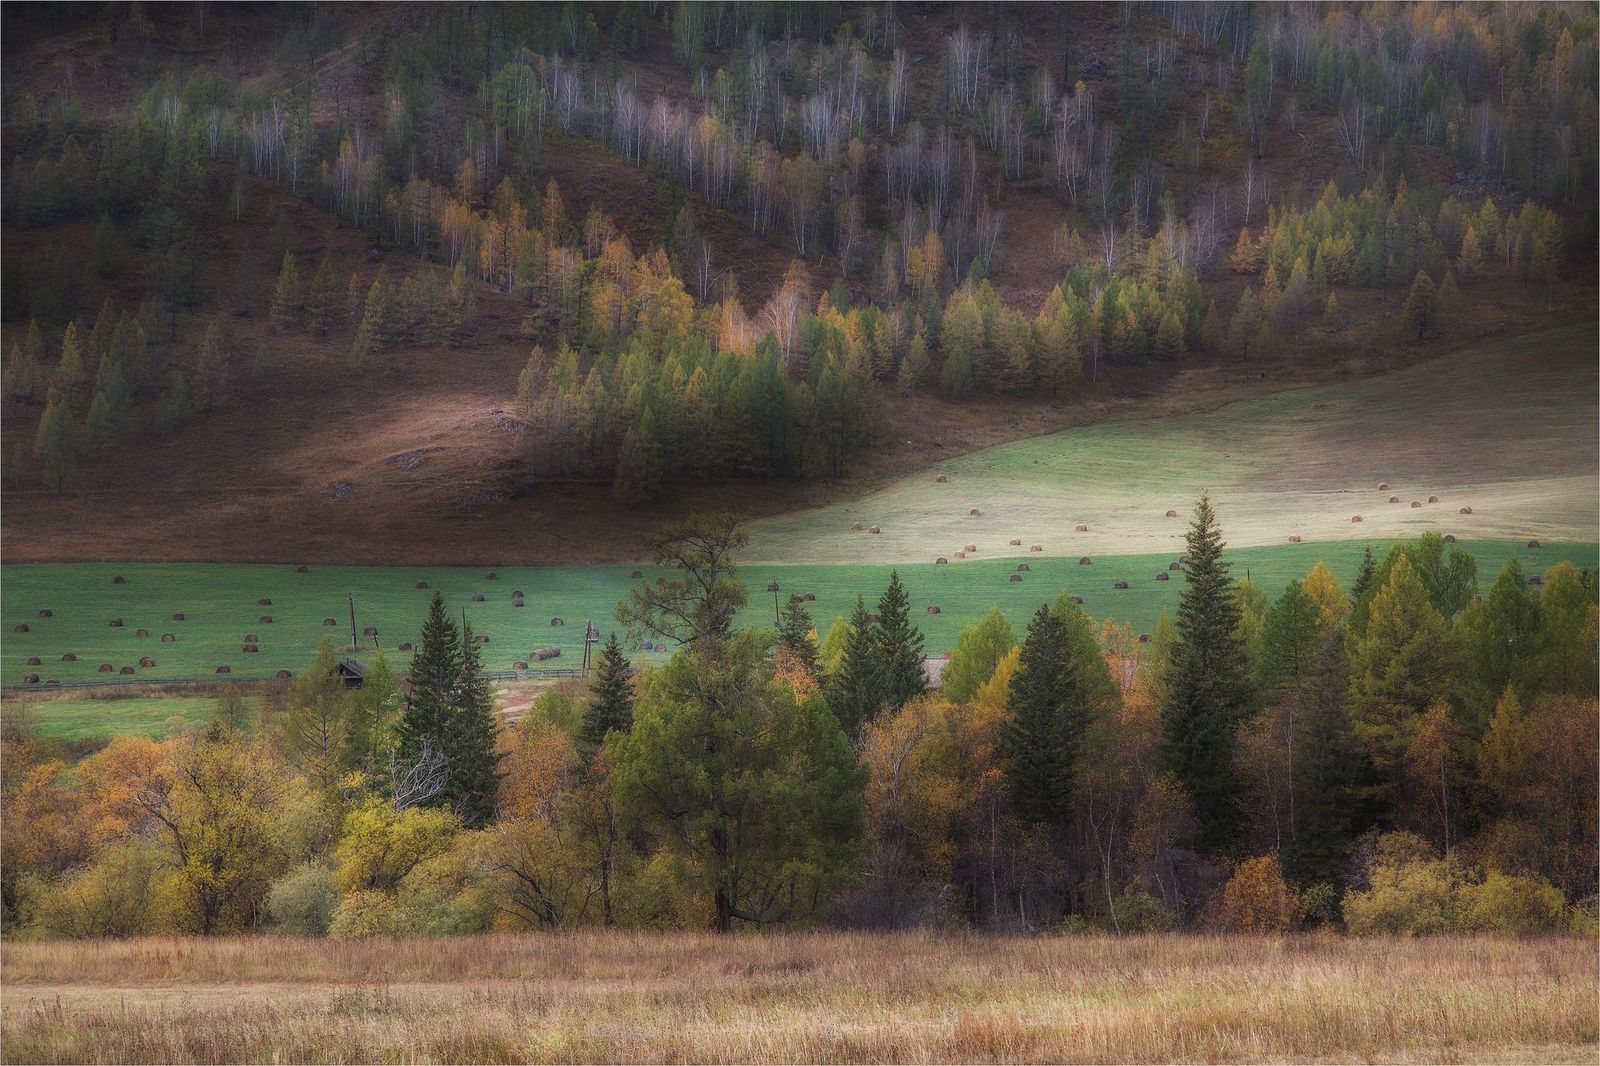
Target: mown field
(1507,428)
(801,997)
(220,603)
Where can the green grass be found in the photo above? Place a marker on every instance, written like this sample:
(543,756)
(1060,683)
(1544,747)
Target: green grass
(219,601)
(78,719)
(1506,428)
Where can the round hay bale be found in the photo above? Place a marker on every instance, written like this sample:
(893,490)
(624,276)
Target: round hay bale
(119,580)
(974,512)
(330,621)
(970,548)
(283,675)
(106,668)
(265,620)
(520,664)
(855,527)
(1016,577)
(516,594)
(1534,544)
(52,683)
(518,603)
(30,679)
(1535,579)
(1036,548)
(477,597)
(302,570)
(1162,575)
(1084,560)
(46,613)
(1174,566)
(178,617)
(1294,538)
(1416,503)
(1078,600)
(557,622)
(550,652)
(959,555)
(491,576)
(20,628)
(1465,510)
(1383,486)
(422,584)
(1172,514)
(637,574)
(370,631)
(1449,538)
(645,645)
(941,561)
(933,608)
(1355,518)
(1394,499)
(481,638)
(141,632)
(1433,499)
(116,623)
(147,662)
(251,638)
(33,660)
(1081,528)
(1022,568)
(1120,585)
(810,597)
(265,601)
(224,669)
(405,645)
(1015,542)
(941,479)
(167,638)
(126,670)
(1184,559)
(1144,638)
(874,529)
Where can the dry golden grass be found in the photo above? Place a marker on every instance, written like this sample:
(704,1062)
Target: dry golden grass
(825,997)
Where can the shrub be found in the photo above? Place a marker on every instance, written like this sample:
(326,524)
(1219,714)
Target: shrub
(364,914)
(1256,898)
(1416,898)
(1140,912)
(302,901)
(1510,904)
(108,897)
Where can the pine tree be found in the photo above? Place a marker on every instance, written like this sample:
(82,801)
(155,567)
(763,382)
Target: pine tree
(899,647)
(796,638)
(855,689)
(56,442)
(1208,688)
(286,297)
(610,704)
(469,741)
(1040,738)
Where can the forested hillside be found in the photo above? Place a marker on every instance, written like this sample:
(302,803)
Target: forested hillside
(521,262)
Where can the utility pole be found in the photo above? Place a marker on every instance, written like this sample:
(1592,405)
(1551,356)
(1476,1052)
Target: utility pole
(776,620)
(591,636)
(354,642)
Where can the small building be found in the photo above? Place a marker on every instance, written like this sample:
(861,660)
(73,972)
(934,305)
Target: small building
(353,672)
(933,672)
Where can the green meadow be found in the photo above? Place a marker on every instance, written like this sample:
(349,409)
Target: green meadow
(219,603)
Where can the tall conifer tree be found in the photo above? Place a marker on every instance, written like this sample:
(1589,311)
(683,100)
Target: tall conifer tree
(899,647)
(1041,738)
(610,697)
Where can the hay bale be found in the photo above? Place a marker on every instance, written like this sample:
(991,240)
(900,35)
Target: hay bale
(370,631)
(1084,560)
(855,527)
(1081,528)
(1015,542)
(52,683)
(933,608)
(405,645)
(1355,518)
(637,574)
(1162,575)
(224,669)
(302,570)
(21,628)
(1383,486)
(959,555)
(1449,538)
(1416,503)
(251,638)
(1394,499)
(1534,544)
(119,580)
(1172,513)
(1120,585)
(265,620)
(941,479)
(1036,548)
(1078,600)
(422,584)
(265,601)
(1294,538)
(518,603)
(974,512)
(330,622)
(1433,499)
(46,613)
(167,638)
(1535,579)
(249,649)
(520,664)
(116,623)
(874,529)
(147,662)
(970,548)
(491,576)
(30,679)
(178,617)
(516,594)
(1174,566)
(1465,510)
(477,597)
(1022,568)
(141,632)
(283,675)
(481,638)
(1016,577)
(557,622)
(1144,638)
(810,597)
(941,561)
(549,652)
(1184,559)
(33,660)
(106,668)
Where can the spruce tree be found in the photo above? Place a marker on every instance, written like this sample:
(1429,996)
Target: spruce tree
(435,673)
(1325,772)
(1040,739)
(795,637)
(1207,688)
(855,690)
(610,698)
(899,647)
(469,740)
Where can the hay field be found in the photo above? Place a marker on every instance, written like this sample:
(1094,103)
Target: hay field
(219,603)
(801,997)
(1507,428)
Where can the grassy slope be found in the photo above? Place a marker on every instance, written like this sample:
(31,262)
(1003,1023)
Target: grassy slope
(77,719)
(1506,428)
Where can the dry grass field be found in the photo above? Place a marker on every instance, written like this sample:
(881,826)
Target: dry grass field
(825,997)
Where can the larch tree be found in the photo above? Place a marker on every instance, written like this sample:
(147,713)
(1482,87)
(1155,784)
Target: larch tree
(978,649)
(287,299)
